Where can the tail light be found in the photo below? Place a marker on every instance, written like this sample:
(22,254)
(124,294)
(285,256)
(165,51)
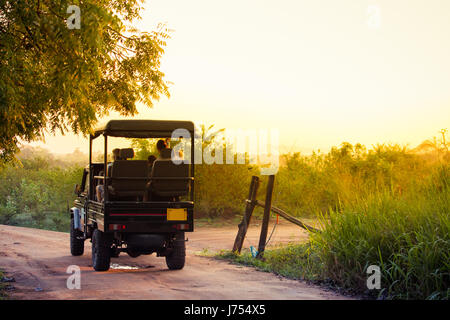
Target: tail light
(116,227)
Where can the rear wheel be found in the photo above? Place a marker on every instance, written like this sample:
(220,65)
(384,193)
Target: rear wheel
(76,240)
(176,258)
(101,251)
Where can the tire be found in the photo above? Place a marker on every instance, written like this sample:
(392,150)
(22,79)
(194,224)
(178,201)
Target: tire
(101,251)
(76,245)
(176,258)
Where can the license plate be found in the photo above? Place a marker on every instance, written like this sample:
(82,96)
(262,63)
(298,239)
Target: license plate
(176,214)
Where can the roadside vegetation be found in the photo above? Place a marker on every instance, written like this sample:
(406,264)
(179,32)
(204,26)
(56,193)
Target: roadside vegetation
(386,206)
(407,238)
(390,209)
(37,192)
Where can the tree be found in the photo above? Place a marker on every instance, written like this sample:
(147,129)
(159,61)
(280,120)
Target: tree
(54,78)
(144,148)
(440,146)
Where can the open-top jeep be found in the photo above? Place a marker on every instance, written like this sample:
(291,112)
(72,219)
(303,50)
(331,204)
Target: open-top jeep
(145,208)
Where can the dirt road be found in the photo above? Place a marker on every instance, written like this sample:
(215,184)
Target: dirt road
(38,260)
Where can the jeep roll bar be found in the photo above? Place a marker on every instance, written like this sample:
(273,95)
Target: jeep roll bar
(138,129)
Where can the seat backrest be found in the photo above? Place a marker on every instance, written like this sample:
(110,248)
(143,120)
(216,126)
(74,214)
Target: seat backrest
(170,188)
(130,169)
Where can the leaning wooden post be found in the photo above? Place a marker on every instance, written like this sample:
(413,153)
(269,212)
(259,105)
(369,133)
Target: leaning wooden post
(265,224)
(243,226)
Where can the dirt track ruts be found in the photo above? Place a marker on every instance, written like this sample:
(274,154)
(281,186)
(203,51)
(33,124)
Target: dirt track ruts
(38,260)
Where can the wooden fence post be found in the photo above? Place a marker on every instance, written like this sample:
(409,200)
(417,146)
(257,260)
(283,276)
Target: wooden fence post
(243,226)
(265,223)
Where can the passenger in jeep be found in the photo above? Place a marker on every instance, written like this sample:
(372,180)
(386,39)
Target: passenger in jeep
(115,156)
(164,151)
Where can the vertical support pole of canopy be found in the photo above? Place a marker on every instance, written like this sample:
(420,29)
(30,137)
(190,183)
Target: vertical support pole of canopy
(105,169)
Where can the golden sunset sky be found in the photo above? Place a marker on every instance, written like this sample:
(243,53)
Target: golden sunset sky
(321,71)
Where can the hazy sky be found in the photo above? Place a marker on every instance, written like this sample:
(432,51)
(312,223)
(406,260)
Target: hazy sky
(321,71)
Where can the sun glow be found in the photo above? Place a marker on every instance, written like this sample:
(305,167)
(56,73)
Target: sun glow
(322,72)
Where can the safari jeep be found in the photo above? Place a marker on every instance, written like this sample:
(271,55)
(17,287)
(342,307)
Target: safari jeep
(145,209)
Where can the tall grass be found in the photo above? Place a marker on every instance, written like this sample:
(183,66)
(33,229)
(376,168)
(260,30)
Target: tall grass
(388,206)
(407,237)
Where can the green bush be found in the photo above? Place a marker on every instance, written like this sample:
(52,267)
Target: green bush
(37,194)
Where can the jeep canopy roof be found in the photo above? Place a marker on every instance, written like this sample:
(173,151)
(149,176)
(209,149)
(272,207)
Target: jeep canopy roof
(142,128)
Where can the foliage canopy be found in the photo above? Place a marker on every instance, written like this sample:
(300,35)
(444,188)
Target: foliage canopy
(53,78)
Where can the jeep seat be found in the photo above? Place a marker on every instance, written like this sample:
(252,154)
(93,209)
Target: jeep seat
(124,169)
(173,187)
